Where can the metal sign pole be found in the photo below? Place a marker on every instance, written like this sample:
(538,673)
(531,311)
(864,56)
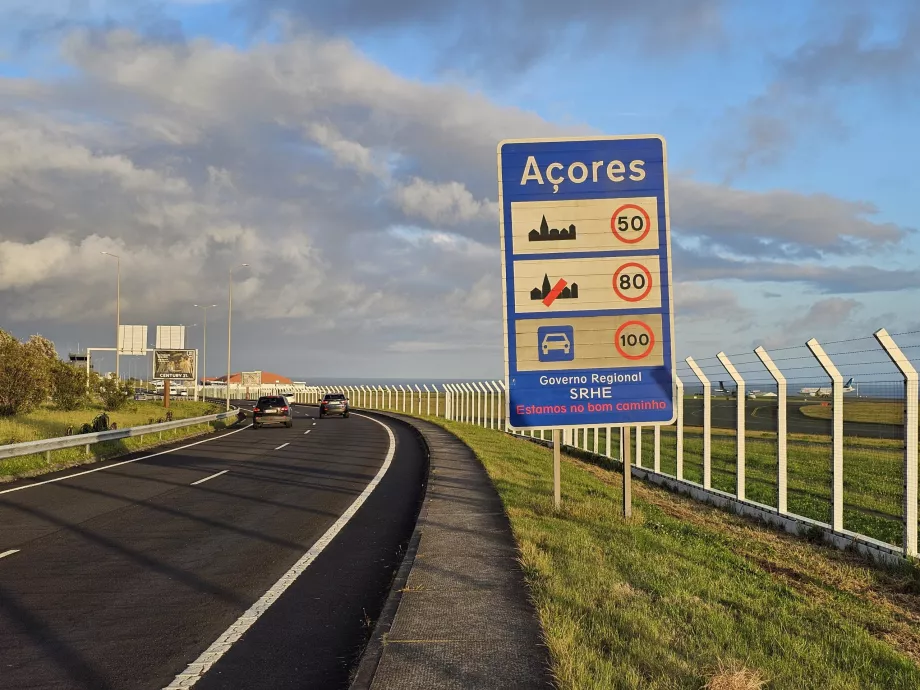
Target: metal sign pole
(557,469)
(627,472)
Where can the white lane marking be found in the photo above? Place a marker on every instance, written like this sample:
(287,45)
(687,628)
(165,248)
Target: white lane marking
(314,423)
(123,462)
(202,481)
(282,446)
(195,670)
(8,553)
(307,432)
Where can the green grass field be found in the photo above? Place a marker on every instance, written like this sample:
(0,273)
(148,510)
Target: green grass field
(684,594)
(868,412)
(47,422)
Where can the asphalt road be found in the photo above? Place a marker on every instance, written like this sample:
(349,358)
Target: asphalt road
(125,575)
(761,416)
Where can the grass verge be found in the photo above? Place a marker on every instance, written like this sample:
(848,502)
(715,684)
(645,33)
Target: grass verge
(47,422)
(687,596)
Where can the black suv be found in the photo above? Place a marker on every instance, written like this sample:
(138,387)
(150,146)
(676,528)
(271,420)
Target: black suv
(333,403)
(272,409)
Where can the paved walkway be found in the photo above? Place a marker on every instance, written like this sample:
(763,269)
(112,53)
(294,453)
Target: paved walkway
(464,619)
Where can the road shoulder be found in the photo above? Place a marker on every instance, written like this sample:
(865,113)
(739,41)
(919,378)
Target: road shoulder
(460,615)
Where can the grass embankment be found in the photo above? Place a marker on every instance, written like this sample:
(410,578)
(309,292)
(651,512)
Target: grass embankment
(46,422)
(684,594)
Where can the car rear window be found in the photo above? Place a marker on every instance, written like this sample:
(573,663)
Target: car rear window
(335,396)
(272,401)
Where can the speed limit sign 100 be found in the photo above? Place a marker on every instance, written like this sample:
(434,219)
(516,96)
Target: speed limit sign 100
(630,223)
(634,340)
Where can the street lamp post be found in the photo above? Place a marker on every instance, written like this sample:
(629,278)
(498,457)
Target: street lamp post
(204,352)
(117,311)
(229,324)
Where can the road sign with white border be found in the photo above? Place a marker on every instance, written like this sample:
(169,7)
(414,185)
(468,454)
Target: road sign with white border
(586,281)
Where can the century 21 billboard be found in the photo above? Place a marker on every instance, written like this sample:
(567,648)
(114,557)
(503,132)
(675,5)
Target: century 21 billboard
(174,364)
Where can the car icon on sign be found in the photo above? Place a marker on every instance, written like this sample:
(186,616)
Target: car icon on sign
(556,341)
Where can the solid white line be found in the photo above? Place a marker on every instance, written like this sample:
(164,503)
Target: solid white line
(195,670)
(282,446)
(202,481)
(8,553)
(123,462)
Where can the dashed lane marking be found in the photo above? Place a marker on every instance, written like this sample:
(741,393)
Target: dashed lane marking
(202,481)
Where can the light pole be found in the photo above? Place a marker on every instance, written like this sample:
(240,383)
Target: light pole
(204,350)
(117,310)
(230,324)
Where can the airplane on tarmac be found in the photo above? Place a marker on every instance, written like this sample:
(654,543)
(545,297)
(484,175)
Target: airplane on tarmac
(732,394)
(827,392)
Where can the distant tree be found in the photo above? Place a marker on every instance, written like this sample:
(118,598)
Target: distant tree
(25,373)
(114,393)
(68,386)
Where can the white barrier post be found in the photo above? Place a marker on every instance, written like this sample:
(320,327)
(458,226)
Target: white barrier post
(483,422)
(428,397)
(418,392)
(609,434)
(437,396)
(837,438)
(477,403)
(505,406)
(448,393)
(468,408)
(741,401)
(656,462)
(452,402)
(411,399)
(781,472)
(707,422)
(911,422)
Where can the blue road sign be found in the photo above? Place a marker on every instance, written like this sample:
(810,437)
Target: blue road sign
(586,281)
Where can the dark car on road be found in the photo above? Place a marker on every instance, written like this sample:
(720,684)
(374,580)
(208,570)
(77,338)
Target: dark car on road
(334,403)
(272,409)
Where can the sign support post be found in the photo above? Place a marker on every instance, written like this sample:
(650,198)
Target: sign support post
(627,472)
(557,469)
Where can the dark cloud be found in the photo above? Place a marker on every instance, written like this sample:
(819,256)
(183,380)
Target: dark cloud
(507,36)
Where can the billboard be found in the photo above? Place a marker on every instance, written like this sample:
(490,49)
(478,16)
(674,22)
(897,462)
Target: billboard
(174,364)
(170,337)
(251,378)
(132,340)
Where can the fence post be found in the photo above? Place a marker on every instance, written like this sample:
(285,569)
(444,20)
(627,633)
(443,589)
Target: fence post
(656,462)
(437,402)
(707,422)
(609,435)
(469,403)
(428,398)
(505,403)
(741,400)
(782,487)
(477,403)
(911,422)
(418,392)
(450,401)
(837,438)
(638,445)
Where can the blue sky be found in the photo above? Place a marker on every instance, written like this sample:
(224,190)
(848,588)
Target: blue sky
(792,120)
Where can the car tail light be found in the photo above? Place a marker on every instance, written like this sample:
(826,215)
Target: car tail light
(284,409)
(256,409)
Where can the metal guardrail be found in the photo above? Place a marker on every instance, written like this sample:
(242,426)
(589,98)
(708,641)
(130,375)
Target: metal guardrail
(15,450)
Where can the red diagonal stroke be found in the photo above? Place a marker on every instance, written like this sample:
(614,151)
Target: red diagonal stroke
(555,292)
